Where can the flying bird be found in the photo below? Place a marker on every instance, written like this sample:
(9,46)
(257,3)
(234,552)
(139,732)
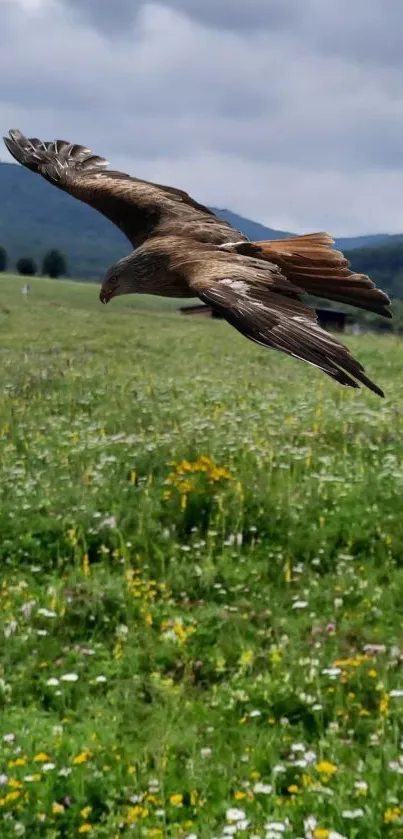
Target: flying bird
(183,249)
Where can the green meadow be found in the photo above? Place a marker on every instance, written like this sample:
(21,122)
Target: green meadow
(201,579)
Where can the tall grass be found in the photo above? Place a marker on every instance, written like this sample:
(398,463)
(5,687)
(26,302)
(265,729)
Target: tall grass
(202,579)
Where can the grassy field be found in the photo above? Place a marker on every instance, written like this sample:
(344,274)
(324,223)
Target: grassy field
(202,579)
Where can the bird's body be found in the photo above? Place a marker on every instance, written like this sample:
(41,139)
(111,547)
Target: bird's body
(182,249)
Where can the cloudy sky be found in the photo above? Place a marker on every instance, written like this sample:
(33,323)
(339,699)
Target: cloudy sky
(289,112)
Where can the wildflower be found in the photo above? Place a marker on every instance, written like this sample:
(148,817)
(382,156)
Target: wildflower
(326,768)
(81,758)
(384,704)
(69,677)
(206,752)
(85,812)
(19,828)
(9,738)
(12,796)
(234,815)
(176,799)
(392,814)
(64,772)
(85,828)
(19,761)
(262,789)
(374,648)
(57,808)
(396,693)
(47,767)
(14,784)
(239,795)
(352,814)
(300,604)
(3,780)
(361,787)
(53,682)
(41,757)
(135,813)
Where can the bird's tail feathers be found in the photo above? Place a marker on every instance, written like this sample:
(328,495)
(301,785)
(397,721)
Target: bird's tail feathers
(311,263)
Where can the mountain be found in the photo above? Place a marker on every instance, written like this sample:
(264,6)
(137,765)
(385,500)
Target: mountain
(35,216)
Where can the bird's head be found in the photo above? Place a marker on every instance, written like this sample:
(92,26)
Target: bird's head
(120,278)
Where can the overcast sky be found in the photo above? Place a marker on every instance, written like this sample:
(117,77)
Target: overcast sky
(289,112)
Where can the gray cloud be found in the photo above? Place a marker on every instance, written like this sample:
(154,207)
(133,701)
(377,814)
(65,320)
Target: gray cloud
(292,117)
(224,14)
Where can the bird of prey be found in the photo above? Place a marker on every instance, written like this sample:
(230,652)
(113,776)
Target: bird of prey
(183,249)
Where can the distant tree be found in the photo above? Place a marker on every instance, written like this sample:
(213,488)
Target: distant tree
(54,264)
(3,258)
(26,266)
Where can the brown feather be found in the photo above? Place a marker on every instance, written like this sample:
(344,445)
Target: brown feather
(310,263)
(139,208)
(257,299)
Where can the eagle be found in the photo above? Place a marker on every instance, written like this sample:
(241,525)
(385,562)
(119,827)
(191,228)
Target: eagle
(183,249)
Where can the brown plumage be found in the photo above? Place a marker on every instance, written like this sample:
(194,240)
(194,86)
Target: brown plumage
(182,249)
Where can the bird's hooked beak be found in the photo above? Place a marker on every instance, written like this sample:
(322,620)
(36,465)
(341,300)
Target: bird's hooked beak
(105,296)
(108,290)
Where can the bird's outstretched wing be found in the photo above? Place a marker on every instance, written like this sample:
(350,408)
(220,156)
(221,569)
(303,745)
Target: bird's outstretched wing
(139,208)
(261,303)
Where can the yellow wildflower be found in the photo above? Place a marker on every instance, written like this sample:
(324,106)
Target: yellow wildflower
(351,662)
(81,758)
(239,795)
(135,813)
(41,757)
(321,833)
(372,673)
(14,784)
(19,761)
(12,796)
(392,814)
(85,828)
(384,704)
(293,789)
(326,768)
(85,812)
(176,799)
(154,831)
(57,808)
